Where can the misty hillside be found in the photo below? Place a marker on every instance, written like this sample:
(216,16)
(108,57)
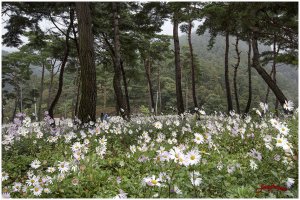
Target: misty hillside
(211,63)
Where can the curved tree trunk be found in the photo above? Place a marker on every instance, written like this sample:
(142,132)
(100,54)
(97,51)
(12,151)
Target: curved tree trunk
(235,75)
(268,79)
(63,64)
(249,79)
(227,83)
(268,90)
(192,65)
(180,106)
(87,106)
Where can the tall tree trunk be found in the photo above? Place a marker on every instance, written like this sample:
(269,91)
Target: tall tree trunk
(249,79)
(227,83)
(125,90)
(187,94)
(179,98)
(271,83)
(21,96)
(117,63)
(78,73)
(273,74)
(192,65)
(147,64)
(158,88)
(87,106)
(41,92)
(2,114)
(104,97)
(275,52)
(51,83)
(15,110)
(268,90)
(62,68)
(235,75)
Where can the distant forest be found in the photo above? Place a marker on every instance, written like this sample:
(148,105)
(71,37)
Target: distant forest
(109,58)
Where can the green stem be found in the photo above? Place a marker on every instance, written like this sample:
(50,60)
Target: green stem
(171,181)
(195,191)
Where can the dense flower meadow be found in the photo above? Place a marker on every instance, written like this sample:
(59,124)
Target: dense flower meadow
(187,156)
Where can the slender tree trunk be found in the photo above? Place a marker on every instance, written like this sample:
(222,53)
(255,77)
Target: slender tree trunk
(147,64)
(275,52)
(235,75)
(192,65)
(125,89)
(78,72)
(117,63)
(268,90)
(41,92)
(117,109)
(273,75)
(158,86)
(51,83)
(271,83)
(186,94)
(249,79)
(62,68)
(2,114)
(227,83)
(180,105)
(15,110)
(87,106)
(21,97)
(104,97)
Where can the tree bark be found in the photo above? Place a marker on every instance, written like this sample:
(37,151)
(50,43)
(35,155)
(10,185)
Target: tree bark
(147,64)
(78,72)
(159,89)
(192,65)
(275,52)
(125,90)
(117,63)
(104,97)
(268,79)
(268,90)
(179,98)
(15,110)
(87,106)
(235,75)
(227,83)
(51,83)
(249,79)
(41,92)
(61,74)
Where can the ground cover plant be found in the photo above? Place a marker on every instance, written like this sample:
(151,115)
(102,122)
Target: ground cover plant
(186,156)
